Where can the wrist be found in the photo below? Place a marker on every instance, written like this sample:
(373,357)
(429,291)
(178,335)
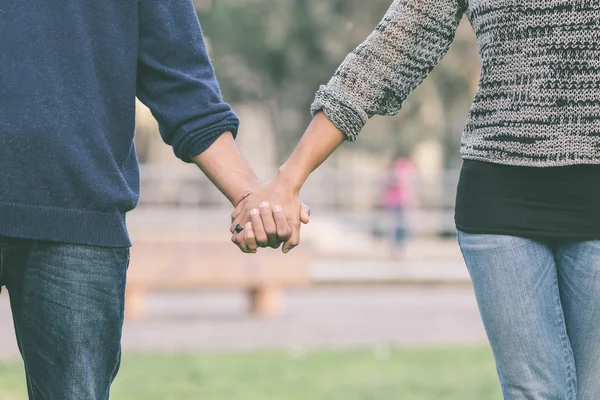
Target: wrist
(242,194)
(290,178)
(238,200)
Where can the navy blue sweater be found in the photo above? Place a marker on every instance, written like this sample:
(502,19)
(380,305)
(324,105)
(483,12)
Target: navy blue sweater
(69,74)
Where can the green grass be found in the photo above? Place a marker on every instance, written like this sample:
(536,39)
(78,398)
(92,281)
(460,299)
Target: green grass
(380,374)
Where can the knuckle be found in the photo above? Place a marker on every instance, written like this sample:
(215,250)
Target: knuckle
(262,240)
(262,235)
(285,232)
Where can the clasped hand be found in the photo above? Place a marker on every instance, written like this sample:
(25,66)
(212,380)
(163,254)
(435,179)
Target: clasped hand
(271,215)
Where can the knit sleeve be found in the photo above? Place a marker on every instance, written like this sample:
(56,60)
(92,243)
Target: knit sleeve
(378,75)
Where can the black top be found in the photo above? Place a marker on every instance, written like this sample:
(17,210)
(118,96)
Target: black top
(554,202)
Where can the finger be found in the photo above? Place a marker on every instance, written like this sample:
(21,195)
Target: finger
(241,219)
(304,214)
(237,240)
(249,238)
(262,240)
(233,225)
(274,242)
(266,214)
(283,228)
(238,210)
(294,239)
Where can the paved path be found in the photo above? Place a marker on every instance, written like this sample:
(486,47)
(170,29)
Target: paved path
(319,316)
(366,315)
(409,270)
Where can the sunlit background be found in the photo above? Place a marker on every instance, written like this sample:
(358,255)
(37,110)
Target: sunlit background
(376,302)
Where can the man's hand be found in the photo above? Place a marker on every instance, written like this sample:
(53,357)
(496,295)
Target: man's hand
(269,216)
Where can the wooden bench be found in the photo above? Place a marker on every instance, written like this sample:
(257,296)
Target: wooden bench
(182,261)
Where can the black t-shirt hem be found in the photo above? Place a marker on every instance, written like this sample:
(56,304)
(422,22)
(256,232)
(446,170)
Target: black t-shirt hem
(571,236)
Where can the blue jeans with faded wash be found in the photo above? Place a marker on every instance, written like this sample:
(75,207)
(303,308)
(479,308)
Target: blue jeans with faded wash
(540,305)
(67,303)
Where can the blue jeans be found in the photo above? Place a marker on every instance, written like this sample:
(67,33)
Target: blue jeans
(540,304)
(67,303)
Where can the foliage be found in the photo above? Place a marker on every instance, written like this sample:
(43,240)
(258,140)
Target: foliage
(278,52)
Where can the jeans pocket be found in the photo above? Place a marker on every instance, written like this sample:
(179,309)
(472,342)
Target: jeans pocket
(7,243)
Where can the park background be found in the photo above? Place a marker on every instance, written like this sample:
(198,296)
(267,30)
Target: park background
(347,315)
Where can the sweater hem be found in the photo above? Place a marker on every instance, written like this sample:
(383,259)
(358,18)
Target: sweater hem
(525,162)
(64,225)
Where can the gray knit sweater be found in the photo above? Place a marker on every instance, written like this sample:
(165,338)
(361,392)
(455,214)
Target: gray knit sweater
(538,101)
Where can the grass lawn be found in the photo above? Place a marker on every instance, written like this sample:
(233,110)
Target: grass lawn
(366,374)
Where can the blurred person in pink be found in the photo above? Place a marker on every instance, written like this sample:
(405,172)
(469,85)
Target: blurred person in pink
(398,197)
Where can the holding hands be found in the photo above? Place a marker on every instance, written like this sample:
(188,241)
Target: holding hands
(269,216)
(273,213)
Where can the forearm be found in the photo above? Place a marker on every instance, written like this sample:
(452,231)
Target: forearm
(319,141)
(227,169)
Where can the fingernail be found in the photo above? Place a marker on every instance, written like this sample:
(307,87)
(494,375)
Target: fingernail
(264,204)
(254,211)
(277,209)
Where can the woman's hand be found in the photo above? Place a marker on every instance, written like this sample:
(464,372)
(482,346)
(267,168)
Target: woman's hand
(272,214)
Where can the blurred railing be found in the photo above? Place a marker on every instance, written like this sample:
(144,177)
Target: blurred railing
(350,198)
(327,188)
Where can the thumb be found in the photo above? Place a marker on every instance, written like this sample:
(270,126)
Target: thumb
(304,213)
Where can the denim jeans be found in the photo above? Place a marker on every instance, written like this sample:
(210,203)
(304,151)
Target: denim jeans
(540,305)
(67,303)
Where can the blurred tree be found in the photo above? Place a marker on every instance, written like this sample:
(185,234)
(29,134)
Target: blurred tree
(278,52)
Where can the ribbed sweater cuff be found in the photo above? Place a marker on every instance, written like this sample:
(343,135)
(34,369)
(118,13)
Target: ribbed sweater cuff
(343,116)
(197,144)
